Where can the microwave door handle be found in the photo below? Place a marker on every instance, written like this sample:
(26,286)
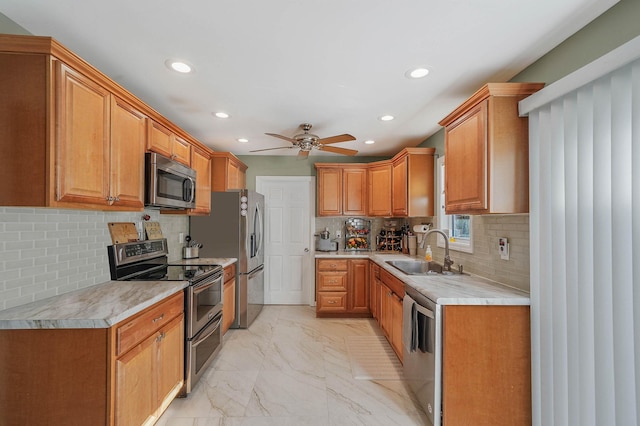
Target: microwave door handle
(193,190)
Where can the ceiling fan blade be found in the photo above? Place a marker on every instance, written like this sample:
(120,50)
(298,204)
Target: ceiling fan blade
(335,149)
(269,149)
(302,155)
(337,138)
(275,135)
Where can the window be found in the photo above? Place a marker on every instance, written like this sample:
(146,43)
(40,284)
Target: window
(458,227)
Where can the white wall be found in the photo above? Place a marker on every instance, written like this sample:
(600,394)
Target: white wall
(45,252)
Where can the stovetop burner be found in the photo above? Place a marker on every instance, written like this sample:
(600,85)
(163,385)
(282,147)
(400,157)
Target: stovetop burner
(176,273)
(147,261)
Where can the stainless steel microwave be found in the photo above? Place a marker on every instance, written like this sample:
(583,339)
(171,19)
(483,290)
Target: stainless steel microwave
(168,184)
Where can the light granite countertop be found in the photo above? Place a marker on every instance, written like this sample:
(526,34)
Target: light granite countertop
(466,289)
(99,306)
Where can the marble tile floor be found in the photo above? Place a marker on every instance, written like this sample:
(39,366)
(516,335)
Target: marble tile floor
(292,369)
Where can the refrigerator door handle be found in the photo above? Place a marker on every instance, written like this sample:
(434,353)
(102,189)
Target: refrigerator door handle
(257,229)
(255,272)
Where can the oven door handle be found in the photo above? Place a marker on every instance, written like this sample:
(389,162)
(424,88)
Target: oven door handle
(424,311)
(204,337)
(199,288)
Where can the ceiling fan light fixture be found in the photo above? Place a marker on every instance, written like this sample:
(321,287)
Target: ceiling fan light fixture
(369,142)
(386,117)
(179,66)
(221,114)
(417,73)
(242,140)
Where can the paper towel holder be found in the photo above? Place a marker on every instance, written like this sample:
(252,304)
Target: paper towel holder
(420,230)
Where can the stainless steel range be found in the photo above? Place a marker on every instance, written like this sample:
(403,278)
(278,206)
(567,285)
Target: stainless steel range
(147,261)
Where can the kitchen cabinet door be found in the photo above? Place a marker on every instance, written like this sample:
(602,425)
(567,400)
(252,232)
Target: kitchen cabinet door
(201,163)
(400,187)
(167,143)
(329,192)
(229,305)
(354,191)
(396,325)
(487,152)
(380,190)
(169,363)
(374,290)
(128,141)
(358,286)
(228,172)
(83,139)
(136,394)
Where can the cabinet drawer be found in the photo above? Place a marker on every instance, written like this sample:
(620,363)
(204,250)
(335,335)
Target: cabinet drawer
(332,301)
(229,272)
(332,264)
(332,281)
(147,322)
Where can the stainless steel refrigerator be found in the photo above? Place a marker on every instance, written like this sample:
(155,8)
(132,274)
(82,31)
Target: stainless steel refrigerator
(235,228)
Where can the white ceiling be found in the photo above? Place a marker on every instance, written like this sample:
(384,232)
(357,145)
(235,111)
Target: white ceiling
(338,64)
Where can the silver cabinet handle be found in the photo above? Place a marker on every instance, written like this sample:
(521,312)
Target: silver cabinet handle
(306,250)
(158,319)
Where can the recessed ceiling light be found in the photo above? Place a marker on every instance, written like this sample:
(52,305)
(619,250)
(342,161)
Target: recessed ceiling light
(242,140)
(370,142)
(386,118)
(417,73)
(179,66)
(221,114)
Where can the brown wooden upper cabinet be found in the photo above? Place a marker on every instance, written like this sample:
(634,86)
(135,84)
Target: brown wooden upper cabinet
(487,152)
(401,186)
(167,143)
(342,189)
(201,163)
(228,172)
(413,182)
(72,137)
(67,138)
(380,177)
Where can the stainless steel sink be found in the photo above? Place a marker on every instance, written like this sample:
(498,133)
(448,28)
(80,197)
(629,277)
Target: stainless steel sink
(420,267)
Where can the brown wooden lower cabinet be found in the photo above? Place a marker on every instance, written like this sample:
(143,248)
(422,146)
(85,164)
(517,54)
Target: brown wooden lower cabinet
(390,316)
(123,375)
(486,369)
(342,287)
(229,298)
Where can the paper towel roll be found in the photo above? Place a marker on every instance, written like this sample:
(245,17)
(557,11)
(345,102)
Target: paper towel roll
(420,229)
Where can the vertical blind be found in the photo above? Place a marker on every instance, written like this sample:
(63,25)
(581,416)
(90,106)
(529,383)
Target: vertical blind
(584,142)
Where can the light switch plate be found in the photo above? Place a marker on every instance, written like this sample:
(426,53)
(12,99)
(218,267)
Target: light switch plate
(503,248)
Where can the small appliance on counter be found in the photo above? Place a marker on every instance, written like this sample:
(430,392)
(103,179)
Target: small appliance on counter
(324,243)
(357,234)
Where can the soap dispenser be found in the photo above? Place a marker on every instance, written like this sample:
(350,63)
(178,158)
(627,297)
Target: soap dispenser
(428,256)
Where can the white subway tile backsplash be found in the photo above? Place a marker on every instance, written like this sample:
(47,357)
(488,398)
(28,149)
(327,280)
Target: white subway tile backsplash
(45,252)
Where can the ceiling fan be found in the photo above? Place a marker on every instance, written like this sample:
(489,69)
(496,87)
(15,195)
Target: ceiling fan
(307,141)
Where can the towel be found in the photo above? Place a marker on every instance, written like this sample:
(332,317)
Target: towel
(407,319)
(425,336)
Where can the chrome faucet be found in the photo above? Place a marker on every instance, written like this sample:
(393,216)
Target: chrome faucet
(447,259)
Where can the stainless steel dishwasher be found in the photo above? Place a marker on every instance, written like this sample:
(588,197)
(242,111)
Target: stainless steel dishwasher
(422,341)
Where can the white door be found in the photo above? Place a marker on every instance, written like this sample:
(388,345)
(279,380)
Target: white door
(289,207)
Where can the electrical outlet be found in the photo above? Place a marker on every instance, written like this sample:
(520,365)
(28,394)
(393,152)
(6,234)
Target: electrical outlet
(503,248)
(338,233)
(181,237)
